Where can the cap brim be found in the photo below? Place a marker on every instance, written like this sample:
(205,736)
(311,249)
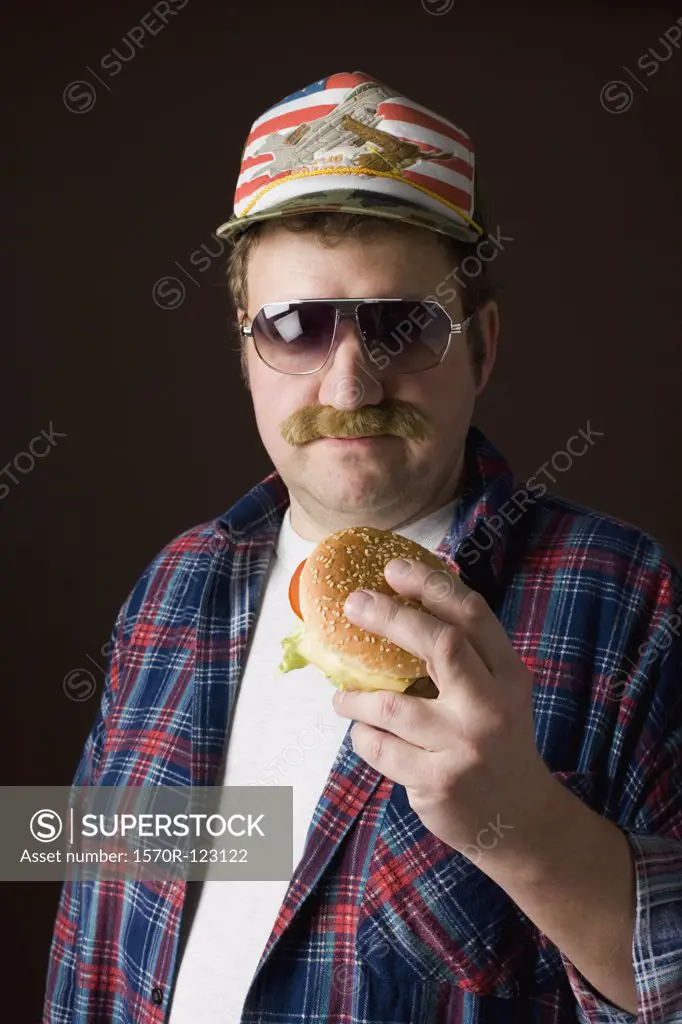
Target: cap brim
(367,204)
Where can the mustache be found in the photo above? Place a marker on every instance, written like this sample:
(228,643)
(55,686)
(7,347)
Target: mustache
(391,417)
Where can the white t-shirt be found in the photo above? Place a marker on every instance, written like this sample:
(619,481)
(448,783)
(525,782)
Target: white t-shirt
(284,732)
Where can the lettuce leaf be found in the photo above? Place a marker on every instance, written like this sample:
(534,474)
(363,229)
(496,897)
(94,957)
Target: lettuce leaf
(292,656)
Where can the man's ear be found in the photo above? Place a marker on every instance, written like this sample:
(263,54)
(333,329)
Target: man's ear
(489,321)
(243,358)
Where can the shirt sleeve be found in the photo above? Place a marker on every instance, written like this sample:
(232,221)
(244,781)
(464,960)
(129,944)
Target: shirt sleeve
(60,989)
(647,805)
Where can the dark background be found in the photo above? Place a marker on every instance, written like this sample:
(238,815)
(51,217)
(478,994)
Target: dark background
(159,433)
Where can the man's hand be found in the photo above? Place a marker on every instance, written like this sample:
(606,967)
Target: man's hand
(469,756)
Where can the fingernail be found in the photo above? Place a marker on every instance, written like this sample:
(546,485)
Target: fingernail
(399,567)
(358,601)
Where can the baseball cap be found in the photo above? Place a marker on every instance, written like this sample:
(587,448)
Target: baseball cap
(349,143)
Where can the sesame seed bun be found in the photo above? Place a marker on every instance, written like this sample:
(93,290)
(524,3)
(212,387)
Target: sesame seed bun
(350,656)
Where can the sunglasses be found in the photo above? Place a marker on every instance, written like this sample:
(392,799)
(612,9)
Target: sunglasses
(298,336)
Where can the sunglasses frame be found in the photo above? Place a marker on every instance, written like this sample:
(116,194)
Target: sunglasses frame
(345,308)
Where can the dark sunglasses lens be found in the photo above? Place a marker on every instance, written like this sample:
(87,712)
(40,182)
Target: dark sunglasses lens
(294,337)
(404,334)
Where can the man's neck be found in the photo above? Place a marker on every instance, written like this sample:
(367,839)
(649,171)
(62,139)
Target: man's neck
(313,521)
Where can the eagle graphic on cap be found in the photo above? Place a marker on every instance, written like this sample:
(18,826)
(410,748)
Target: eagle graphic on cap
(394,153)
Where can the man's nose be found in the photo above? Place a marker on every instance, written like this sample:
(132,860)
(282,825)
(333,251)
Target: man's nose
(350,377)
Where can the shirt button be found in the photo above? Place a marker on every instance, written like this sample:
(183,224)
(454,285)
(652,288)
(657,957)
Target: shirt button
(217,542)
(157,996)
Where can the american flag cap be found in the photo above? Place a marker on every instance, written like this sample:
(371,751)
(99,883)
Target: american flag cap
(349,143)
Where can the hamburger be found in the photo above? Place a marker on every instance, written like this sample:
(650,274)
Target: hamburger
(349,656)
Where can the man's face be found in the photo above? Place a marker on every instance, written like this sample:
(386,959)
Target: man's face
(375,480)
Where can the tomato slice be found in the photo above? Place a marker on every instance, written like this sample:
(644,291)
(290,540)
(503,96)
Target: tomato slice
(293,590)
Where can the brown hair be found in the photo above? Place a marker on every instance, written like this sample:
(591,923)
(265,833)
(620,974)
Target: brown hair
(332,227)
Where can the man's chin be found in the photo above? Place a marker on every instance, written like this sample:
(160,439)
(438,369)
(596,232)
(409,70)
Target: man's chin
(357,477)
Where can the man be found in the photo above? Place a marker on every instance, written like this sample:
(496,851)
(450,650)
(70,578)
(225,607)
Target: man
(510,851)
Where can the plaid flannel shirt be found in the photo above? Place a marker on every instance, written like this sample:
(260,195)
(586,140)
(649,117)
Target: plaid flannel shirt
(383,923)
